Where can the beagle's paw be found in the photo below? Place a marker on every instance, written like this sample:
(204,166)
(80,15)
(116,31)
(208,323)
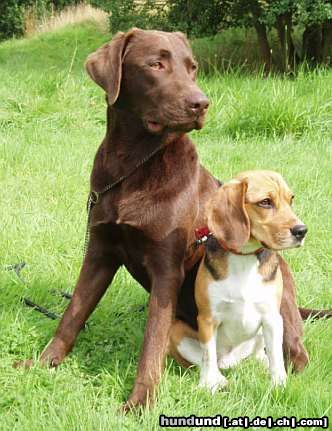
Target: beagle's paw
(262,358)
(227,361)
(213,382)
(279,378)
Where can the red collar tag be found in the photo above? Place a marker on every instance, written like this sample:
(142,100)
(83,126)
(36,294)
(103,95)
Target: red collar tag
(202,233)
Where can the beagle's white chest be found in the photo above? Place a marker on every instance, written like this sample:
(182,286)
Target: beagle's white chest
(239,301)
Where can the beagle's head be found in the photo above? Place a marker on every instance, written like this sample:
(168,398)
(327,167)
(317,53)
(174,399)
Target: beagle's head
(255,209)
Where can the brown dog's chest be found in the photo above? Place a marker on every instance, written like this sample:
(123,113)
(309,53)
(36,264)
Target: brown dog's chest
(161,196)
(141,255)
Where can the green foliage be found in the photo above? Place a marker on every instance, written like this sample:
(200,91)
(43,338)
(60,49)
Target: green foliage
(105,5)
(60,4)
(308,12)
(195,20)
(272,9)
(221,14)
(305,12)
(12,13)
(11,19)
(128,13)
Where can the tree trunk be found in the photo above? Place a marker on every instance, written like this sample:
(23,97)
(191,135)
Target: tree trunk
(284,25)
(293,58)
(281,29)
(264,46)
(312,44)
(327,42)
(262,39)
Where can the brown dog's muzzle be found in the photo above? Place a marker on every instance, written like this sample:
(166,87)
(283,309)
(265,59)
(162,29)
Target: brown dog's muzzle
(182,109)
(197,103)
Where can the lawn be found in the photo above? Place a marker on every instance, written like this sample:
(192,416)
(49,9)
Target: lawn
(52,119)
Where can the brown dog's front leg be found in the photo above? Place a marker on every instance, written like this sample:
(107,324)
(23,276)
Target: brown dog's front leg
(162,305)
(96,274)
(294,351)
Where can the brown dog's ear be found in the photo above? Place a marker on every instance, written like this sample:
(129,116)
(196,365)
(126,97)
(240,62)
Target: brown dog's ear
(226,215)
(105,65)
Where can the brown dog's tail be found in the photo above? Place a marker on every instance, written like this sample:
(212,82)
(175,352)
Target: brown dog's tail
(307,313)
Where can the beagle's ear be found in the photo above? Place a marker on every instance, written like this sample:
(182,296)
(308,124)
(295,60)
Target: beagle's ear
(226,215)
(105,65)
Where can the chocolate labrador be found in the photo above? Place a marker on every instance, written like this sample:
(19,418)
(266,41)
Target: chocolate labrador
(147,221)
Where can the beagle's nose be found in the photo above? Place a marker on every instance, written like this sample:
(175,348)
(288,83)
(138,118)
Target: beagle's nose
(299,231)
(197,102)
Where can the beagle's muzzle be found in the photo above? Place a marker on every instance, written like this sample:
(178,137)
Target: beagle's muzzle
(239,283)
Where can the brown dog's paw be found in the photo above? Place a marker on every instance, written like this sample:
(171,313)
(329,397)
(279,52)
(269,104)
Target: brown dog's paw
(297,358)
(45,361)
(130,407)
(300,361)
(134,406)
(138,401)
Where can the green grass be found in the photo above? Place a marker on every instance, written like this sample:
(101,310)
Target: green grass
(52,120)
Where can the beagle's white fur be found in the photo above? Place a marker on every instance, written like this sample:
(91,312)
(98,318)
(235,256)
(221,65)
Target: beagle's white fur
(239,284)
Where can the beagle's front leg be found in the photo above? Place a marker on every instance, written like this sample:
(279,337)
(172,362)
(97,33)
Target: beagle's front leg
(273,336)
(210,376)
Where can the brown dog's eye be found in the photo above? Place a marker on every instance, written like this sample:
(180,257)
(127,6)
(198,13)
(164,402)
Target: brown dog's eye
(292,199)
(266,203)
(157,65)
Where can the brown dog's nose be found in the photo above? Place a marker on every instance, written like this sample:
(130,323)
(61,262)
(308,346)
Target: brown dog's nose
(299,231)
(197,102)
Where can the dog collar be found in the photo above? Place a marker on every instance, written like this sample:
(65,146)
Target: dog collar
(203,233)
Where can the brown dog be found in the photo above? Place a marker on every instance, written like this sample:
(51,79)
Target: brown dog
(147,222)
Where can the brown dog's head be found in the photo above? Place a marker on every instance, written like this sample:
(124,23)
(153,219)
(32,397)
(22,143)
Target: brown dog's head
(256,205)
(151,74)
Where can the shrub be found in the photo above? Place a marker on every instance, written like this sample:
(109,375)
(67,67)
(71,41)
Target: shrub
(130,13)
(13,14)
(11,19)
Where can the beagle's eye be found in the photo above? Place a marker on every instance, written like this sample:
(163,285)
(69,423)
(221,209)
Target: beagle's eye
(157,65)
(194,67)
(265,203)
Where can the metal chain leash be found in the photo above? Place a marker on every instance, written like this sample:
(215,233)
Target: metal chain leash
(94,196)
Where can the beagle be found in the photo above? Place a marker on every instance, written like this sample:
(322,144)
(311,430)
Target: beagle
(239,284)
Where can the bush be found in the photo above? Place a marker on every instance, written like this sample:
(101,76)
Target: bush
(193,19)
(128,13)
(11,19)
(13,13)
